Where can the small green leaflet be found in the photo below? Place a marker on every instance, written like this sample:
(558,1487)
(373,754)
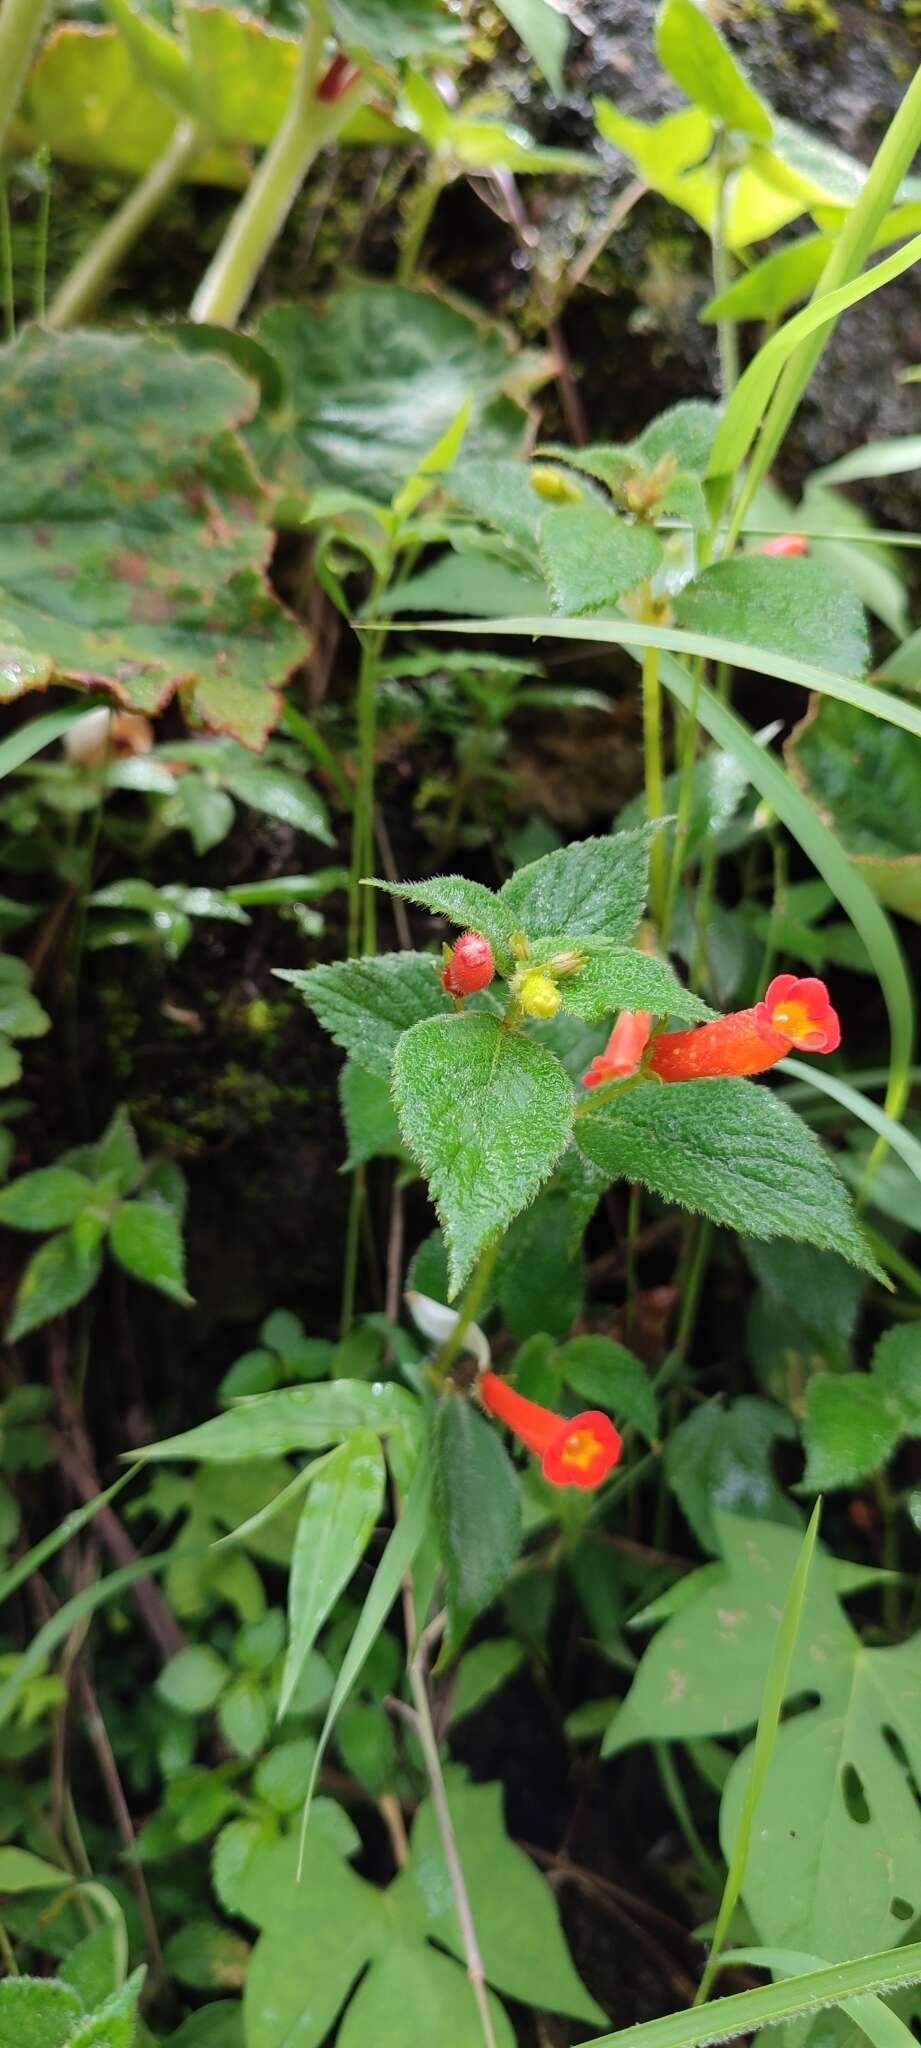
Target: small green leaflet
(590,557)
(855,1420)
(730,1150)
(486,1112)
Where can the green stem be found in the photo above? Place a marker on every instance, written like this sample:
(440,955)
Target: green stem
(683,808)
(851,248)
(90,279)
(7,288)
(350,1262)
(727,333)
(20,26)
(41,244)
(362,922)
(677,1799)
(420,207)
(454,1344)
(655,780)
(708,867)
(309,126)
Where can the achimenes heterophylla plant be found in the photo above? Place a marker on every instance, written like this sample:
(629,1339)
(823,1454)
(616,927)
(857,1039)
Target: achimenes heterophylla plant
(483,1075)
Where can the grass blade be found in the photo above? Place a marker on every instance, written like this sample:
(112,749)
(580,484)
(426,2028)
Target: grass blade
(29,739)
(881,2025)
(743,2013)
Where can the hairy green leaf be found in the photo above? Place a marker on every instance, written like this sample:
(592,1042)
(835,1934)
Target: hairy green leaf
(593,888)
(590,557)
(486,1113)
(731,1150)
(58,1275)
(792,607)
(620,978)
(48,1199)
(146,1238)
(367,1005)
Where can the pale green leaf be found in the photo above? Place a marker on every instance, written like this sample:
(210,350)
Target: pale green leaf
(415,1993)
(544,32)
(723,1458)
(789,607)
(58,1275)
(292,1419)
(193,1680)
(336,1524)
(369,1117)
(146,1238)
(697,58)
(608,1376)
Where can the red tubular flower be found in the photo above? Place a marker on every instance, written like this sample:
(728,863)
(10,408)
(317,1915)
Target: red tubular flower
(785,544)
(573,1452)
(624,1049)
(470,967)
(794,1013)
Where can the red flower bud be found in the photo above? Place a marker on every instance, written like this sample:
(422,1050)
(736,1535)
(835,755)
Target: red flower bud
(785,544)
(470,967)
(574,1451)
(624,1049)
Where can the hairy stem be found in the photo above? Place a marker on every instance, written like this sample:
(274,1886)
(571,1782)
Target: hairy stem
(309,125)
(20,26)
(454,1343)
(90,279)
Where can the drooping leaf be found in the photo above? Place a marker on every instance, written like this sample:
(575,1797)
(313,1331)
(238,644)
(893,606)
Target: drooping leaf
(370,385)
(865,778)
(146,1238)
(596,887)
(22,1871)
(367,1005)
(139,563)
(723,1458)
(293,1419)
(58,1275)
(479,1511)
(48,1199)
(731,1150)
(336,1524)
(86,103)
(701,62)
(590,557)
(792,607)
(538,1277)
(486,1112)
(369,1116)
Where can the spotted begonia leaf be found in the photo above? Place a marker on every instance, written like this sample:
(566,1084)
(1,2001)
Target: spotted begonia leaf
(135,541)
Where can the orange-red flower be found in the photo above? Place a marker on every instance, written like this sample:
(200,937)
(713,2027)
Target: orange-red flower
(785,544)
(624,1049)
(794,1012)
(576,1451)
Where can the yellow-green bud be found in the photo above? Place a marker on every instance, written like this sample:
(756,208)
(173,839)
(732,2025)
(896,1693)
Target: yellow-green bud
(566,963)
(538,995)
(519,946)
(554,485)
